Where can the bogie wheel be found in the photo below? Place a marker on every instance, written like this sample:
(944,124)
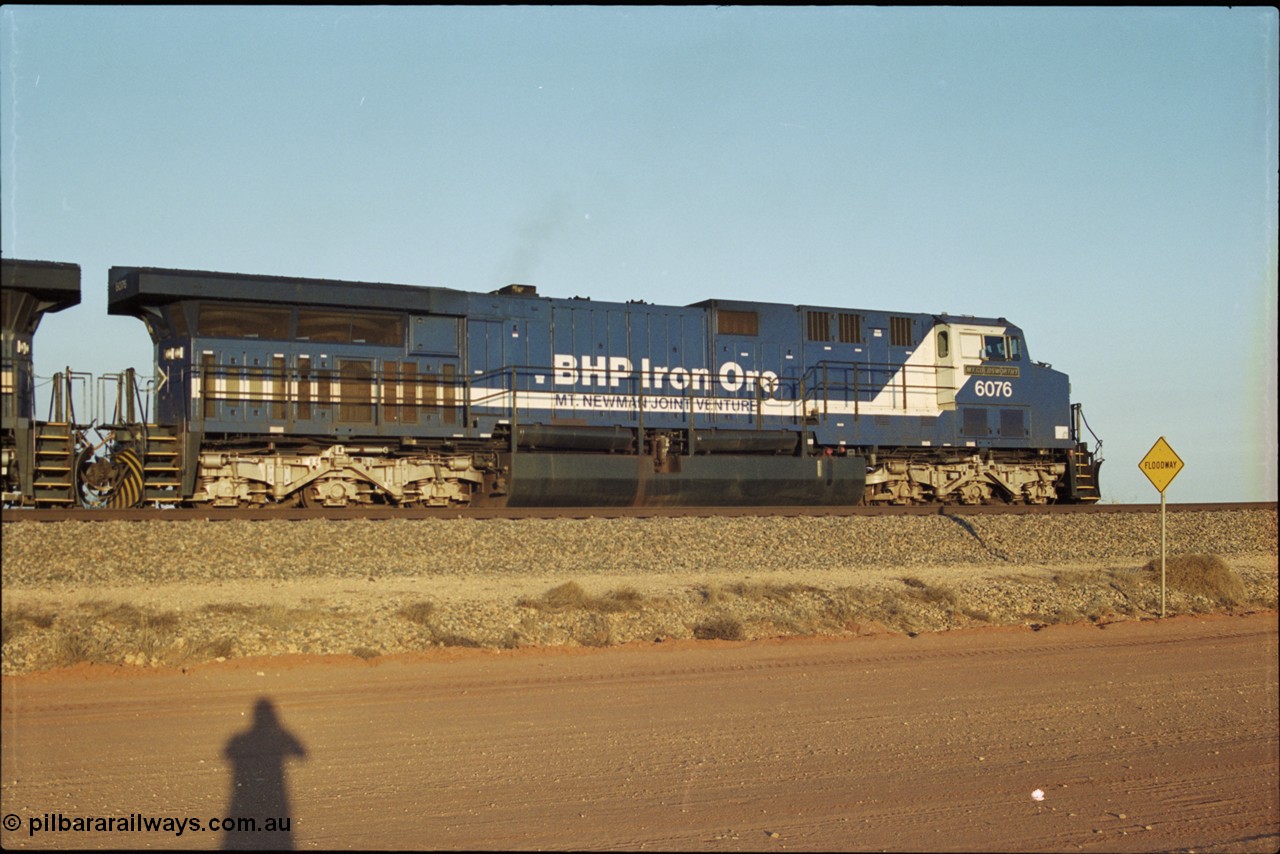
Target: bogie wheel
(329,492)
(308,498)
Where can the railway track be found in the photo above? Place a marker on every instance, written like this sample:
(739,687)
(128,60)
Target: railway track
(294,514)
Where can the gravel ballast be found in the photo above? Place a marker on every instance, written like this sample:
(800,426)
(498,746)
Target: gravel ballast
(178,593)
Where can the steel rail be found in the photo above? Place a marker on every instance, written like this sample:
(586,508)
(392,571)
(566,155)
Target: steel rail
(382,512)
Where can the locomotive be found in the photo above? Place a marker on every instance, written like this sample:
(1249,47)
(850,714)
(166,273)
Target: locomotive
(272,391)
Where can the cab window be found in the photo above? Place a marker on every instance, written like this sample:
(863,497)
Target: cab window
(1001,348)
(993,348)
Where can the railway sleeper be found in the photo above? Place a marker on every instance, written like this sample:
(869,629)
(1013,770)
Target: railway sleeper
(335,477)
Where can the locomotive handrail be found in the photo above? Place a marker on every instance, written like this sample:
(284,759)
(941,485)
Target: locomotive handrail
(1077,409)
(822,382)
(499,389)
(62,400)
(384,395)
(132,404)
(817,383)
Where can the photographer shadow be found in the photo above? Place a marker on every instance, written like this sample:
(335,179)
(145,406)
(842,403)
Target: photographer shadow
(258,788)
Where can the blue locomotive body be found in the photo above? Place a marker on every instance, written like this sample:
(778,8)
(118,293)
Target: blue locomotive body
(334,393)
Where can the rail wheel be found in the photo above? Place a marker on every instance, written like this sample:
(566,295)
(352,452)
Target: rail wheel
(309,497)
(329,492)
(114,481)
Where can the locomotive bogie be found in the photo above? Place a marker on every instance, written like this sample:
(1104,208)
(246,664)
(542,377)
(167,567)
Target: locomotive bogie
(336,477)
(975,479)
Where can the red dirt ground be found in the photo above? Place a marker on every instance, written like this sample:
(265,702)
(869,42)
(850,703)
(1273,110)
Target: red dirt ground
(1152,735)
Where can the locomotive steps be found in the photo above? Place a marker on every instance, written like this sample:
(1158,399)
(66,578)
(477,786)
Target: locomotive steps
(182,593)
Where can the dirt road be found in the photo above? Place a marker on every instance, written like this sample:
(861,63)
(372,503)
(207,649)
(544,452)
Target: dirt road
(1140,736)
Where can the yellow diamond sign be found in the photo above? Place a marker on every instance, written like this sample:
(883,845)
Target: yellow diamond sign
(1161,465)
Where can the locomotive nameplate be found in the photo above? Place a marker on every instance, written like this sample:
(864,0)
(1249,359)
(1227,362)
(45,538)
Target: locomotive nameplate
(991,371)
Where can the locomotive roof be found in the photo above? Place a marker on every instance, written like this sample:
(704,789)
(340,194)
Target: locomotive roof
(55,281)
(944,317)
(134,287)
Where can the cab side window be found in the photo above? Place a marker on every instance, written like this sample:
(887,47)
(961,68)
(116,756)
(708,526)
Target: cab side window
(993,348)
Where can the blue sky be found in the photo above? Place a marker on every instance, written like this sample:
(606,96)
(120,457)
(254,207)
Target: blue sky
(1105,178)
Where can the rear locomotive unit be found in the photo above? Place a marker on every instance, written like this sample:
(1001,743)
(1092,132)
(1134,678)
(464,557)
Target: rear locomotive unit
(37,457)
(327,393)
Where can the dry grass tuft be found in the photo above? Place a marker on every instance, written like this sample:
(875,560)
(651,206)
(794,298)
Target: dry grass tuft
(719,628)
(751,591)
(230,609)
(934,594)
(758,592)
(622,599)
(1207,576)
(571,597)
(220,647)
(563,597)
(17,620)
(453,639)
(418,612)
(129,616)
(597,632)
(75,646)
(283,618)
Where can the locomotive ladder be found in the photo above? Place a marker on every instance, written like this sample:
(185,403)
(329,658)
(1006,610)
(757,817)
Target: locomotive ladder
(1082,471)
(55,453)
(161,465)
(1082,464)
(55,444)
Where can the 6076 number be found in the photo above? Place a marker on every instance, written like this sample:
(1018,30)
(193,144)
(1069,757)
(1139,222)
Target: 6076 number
(992,388)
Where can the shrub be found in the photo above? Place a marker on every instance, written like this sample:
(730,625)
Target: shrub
(1201,575)
(418,612)
(570,596)
(16,620)
(565,596)
(622,599)
(719,628)
(76,645)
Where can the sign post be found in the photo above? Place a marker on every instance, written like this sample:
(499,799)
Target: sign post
(1161,465)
